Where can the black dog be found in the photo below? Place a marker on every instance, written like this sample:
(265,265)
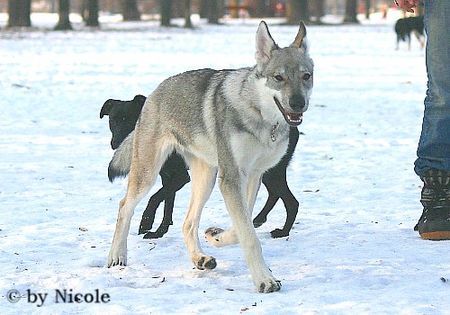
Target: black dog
(404,27)
(122,119)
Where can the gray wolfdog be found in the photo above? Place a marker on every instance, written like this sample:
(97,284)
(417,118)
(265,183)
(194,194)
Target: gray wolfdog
(233,124)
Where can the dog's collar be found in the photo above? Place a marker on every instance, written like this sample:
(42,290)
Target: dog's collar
(273,137)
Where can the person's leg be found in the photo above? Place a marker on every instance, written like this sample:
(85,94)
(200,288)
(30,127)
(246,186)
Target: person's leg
(433,162)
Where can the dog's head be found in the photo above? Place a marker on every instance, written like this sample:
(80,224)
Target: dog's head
(288,73)
(123,116)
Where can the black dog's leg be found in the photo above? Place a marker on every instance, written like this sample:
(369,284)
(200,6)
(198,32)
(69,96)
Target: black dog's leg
(174,176)
(261,218)
(148,217)
(167,219)
(277,187)
(291,204)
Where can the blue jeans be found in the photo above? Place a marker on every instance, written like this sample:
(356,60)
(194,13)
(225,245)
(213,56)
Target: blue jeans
(434,144)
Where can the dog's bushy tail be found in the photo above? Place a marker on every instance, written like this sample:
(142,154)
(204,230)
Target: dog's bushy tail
(121,161)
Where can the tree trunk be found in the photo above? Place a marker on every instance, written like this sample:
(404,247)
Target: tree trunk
(166,12)
(84,10)
(234,11)
(260,9)
(63,11)
(19,12)
(187,14)
(319,10)
(213,12)
(367,5)
(350,11)
(130,11)
(92,13)
(204,8)
(298,11)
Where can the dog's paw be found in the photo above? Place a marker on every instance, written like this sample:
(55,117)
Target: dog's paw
(257,222)
(151,235)
(212,236)
(117,257)
(277,233)
(145,226)
(269,285)
(142,230)
(205,262)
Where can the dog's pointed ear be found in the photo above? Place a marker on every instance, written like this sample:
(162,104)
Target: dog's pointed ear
(106,108)
(139,100)
(264,44)
(300,39)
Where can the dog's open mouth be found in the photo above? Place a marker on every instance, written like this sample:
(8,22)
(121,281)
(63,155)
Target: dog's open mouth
(293,119)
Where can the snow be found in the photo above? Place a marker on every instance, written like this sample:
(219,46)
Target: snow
(352,249)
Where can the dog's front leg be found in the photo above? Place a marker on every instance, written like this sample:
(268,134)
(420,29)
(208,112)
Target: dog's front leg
(236,203)
(219,237)
(203,179)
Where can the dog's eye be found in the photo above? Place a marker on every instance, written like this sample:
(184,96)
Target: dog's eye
(307,76)
(279,78)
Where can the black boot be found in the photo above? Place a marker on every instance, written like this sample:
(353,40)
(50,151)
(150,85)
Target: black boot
(434,224)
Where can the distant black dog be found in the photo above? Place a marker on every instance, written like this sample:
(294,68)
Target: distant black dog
(122,119)
(404,27)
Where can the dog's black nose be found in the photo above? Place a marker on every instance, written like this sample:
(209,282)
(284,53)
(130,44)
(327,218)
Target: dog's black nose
(297,102)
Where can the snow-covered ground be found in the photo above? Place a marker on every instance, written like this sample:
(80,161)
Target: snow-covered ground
(352,249)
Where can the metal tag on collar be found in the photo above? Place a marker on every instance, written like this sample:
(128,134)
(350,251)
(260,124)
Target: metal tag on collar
(272,132)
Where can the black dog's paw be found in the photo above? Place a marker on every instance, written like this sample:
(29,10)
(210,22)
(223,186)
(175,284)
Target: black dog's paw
(259,220)
(277,233)
(152,235)
(142,230)
(257,223)
(145,226)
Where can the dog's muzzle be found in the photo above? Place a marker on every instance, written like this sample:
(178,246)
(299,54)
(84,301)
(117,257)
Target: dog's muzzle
(292,118)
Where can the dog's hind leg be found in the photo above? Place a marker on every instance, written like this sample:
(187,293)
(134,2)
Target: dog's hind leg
(174,176)
(146,161)
(148,217)
(169,200)
(203,180)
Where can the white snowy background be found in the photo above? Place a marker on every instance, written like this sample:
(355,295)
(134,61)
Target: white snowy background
(352,249)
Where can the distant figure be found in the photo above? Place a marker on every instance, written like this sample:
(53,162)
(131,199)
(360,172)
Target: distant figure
(405,26)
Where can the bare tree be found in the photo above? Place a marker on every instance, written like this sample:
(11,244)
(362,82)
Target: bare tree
(130,11)
(92,13)
(19,12)
(210,9)
(213,14)
(318,9)
(298,11)
(166,12)
(367,7)
(187,14)
(350,11)
(260,8)
(63,11)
